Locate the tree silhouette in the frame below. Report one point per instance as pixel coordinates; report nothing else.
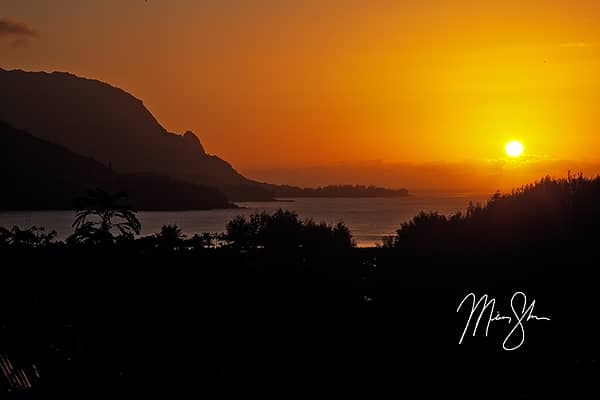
(109, 212)
(283, 229)
(170, 237)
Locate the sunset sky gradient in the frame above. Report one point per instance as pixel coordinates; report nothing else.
(296, 84)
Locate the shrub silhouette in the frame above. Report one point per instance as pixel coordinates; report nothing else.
(33, 237)
(205, 240)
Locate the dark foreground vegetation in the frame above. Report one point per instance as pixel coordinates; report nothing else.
(278, 304)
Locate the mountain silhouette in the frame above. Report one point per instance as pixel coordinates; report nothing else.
(42, 175)
(97, 120)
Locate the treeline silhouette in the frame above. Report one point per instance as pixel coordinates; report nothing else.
(338, 191)
(277, 301)
(562, 211)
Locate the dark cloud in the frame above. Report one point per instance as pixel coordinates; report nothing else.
(18, 33)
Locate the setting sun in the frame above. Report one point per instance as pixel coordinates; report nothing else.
(513, 149)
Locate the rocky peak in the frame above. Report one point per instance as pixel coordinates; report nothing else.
(191, 138)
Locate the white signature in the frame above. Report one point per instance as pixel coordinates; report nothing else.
(516, 336)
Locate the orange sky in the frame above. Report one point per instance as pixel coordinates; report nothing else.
(305, 83)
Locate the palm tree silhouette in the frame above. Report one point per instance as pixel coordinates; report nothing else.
(105, 208)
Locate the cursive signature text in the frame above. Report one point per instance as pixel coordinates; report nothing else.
(484, 309)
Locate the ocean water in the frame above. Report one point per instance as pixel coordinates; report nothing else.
(369, 219)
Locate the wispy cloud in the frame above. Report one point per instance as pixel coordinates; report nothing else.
(18, 33)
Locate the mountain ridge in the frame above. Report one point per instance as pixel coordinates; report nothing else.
(38, 175)
(93, 118)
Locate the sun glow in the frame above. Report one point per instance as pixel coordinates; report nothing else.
(513, 149)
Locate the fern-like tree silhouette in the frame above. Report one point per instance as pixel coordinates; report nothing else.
(99, 214)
